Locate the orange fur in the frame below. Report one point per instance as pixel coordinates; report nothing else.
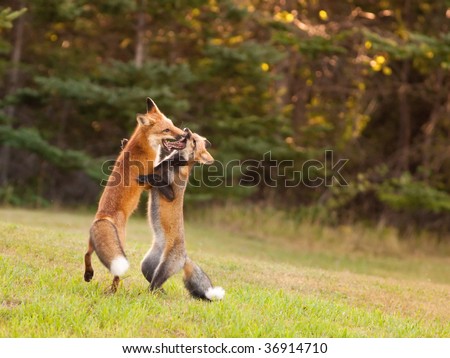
(122, 192)
(168, 253)
(171, 213)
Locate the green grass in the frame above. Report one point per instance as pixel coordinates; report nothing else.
(275, 286)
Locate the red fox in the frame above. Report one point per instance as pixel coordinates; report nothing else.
(122, 192)
(168, 253)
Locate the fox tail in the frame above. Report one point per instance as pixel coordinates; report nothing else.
(198, 283)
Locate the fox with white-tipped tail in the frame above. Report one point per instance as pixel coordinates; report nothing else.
(168, 255)
(121, 195)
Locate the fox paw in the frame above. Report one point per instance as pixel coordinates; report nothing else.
(88, 276)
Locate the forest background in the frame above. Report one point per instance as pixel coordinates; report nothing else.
(284, 90)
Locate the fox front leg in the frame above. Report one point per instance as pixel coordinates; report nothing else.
(157, 182)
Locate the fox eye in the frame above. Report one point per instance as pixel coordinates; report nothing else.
(167, 130)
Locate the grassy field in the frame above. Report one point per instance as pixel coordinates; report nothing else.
(328, 283)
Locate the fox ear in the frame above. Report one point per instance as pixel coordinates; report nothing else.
(207, 143)
(151, 106)
(188, 132)
(144, 120)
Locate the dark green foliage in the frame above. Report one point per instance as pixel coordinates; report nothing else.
(7, 16)
(29, 139)
(367, 80)
(405, 194)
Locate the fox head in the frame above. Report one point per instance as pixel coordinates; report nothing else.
(196, 148)
(157, 128)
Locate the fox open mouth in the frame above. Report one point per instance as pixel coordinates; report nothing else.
(175, 144)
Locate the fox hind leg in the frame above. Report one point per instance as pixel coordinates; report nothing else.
(115, 284)
(169, 265)
(111, 290)
(88, 270)
(151, 262)
(105, 241)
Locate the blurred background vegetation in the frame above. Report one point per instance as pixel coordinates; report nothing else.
(367, 79)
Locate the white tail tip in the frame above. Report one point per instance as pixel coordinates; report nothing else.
(119, 266)
(215, 293)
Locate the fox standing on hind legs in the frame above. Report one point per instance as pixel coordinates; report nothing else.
(121, 195)
(168, 253)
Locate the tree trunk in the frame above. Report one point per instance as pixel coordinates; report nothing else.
(430, 126)
(139, 56)
(65, 113)
(297, 94)
(404, 134)
(12, 85)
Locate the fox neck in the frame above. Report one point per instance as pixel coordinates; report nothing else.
(139, 143)
(138, 156)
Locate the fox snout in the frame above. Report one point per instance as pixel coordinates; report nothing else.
(178, 133)
(206, 158)
(174, 135)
